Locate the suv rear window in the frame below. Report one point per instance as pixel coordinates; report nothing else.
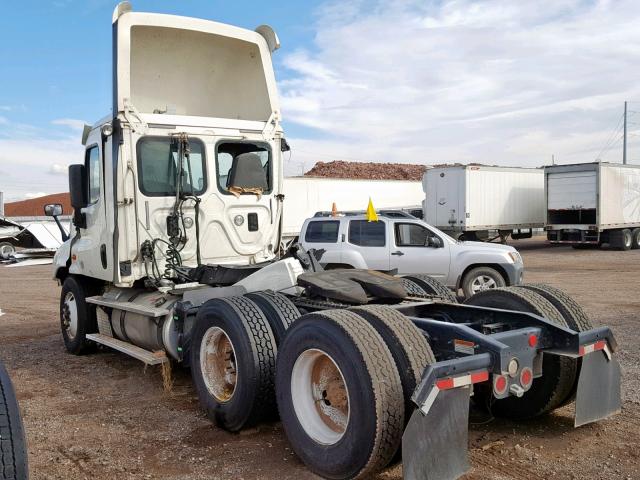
(367, 234)
(322, 232)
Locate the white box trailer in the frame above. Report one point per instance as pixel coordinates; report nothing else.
(470, 201)
(304, 196)
(593, 203)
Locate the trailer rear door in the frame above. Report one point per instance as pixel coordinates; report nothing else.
(572, 190)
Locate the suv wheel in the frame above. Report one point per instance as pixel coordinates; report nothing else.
(480, 279)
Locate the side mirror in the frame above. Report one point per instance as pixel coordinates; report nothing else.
(78, 193)
(78, 186)
(435, 242)
(53, 210)
(284, 145)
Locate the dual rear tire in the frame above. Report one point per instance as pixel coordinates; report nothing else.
(343, 384)
(558, 384)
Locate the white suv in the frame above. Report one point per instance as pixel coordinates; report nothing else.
(400, 241)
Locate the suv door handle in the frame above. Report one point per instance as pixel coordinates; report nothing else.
(398, 253)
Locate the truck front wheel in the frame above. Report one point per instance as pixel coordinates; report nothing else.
(77, 317)
(480, 279)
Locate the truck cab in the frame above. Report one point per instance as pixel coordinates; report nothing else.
(399, 241)
(187, 170)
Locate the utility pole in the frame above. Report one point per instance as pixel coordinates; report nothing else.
(624, 137)
(553, 159)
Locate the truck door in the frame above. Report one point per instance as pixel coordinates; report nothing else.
(411, 252)
(92, 248)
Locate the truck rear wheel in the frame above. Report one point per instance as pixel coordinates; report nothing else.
(573, 314)
(408, 346)
(635, 238)
(232, 357)
(77, 317)
(424, 285)
(558, 373)
(480, 279)
(279, 311)
(339, 395)
(13, 455)
(621, 239)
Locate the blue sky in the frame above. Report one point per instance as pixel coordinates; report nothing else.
(56, 55)
(414, 81)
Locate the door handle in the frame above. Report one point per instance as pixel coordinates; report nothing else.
(398, 253)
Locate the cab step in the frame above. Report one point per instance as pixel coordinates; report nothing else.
(150, 358)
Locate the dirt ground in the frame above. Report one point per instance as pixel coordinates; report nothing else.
(104, 416)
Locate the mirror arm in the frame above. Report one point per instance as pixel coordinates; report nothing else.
(65, 235)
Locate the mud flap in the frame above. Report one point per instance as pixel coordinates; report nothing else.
(598, 394)
(434, 446)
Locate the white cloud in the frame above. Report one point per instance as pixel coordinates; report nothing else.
(58, 169)
(72, 123)
(32, 159)
(497, 82)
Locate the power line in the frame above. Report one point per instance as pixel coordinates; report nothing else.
(612, 136)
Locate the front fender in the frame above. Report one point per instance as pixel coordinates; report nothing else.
(465, 260)
(61, 258)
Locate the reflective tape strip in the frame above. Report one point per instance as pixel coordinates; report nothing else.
(462, 380)
(453, 382)
(593, 347)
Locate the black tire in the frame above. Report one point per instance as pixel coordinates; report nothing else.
(571, 310)
(635, 238)
(252, 357)
(279, 311)
(76, 290)
(558, 373)
(408, 346)
(430, 286)
(474, 273)
(573, 314)
(373, 433)
(6, 249)
(13, 445)
(621, 239)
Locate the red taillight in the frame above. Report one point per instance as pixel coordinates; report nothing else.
(499, 384)
(533, 340)
(526, 377)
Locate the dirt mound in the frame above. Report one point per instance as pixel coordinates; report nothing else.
(367, 170)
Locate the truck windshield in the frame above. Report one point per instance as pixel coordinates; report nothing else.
(158, 167)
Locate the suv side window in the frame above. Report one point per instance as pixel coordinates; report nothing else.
(92, 165)
(322, 231)
(411, 235)
(367, 234)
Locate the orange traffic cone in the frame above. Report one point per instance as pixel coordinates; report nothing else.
(334, 210)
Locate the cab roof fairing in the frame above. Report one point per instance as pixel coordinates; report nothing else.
(264, 38)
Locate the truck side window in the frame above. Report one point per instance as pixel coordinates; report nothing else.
(411, 235)
(367, 234)
(92, 165)
(158, 167)
(322, 232)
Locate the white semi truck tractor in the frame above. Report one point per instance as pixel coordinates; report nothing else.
(174, 257)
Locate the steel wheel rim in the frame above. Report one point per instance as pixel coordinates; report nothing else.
(483, 282)
(320, 396)
(70, 315)
(6, 250)
(218, 364)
